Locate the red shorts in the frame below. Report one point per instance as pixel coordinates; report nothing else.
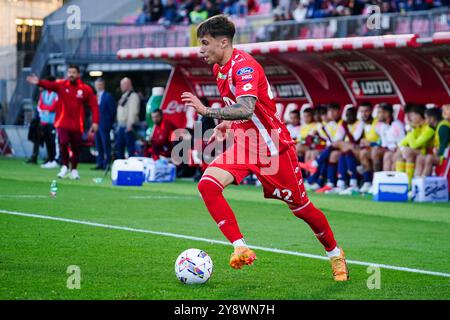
(281, 178)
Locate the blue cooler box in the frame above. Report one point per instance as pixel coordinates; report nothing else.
(127, 173)
(157, 171)
(390, 186)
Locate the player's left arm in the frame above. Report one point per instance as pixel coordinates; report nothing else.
(242, 110)
(245, 78)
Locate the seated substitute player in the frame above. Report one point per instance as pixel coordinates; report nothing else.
(415, 143)
(329, 157)
(317, 176)
(391, 132)
(160, 143)
(348, 136)
(425, 163)
(305, 138)
(251, 108)
(294, 124)
(369, 154)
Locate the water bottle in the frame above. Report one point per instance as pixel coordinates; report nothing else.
(153, 104)
(53, 188)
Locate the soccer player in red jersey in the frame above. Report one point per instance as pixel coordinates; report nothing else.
(251, 109)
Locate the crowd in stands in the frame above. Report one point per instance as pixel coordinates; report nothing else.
(310, 9)
(191, 11)
(340, 151)
(194, 11)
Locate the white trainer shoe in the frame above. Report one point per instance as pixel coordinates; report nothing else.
(74, 174)
(312, 187)
(63, 172)
(335, 190)
(349, 191)
(315, 186)
(365, 188)
(50, 165)
(308, 187)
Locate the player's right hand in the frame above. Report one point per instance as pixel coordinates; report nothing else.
(33, 79)
(220, 131)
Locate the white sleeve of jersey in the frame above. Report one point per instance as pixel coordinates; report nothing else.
(359, 130)
(340, 134)
(398, 131)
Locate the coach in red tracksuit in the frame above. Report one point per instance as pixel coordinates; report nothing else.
(69, 121)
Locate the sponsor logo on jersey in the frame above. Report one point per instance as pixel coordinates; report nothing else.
(247, 77)
(221, 76)
(247, 87)
(245, 70)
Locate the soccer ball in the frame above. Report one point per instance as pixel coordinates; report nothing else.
(193, 266)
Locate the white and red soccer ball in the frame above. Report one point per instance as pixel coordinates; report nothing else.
(193, 266)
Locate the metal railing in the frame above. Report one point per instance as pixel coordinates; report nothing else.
(103, 40)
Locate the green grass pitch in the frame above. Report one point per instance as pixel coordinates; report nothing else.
(118, 264)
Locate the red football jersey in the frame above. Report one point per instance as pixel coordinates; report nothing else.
(241, 76)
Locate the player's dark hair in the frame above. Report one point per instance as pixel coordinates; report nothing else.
(321, 109)
(408, 107)
(74, 66)
(295, 112)
(158, 111)
(418, 109)
(434, 113)
(334, 106)
(308, 110)
(366, 104)
(51, 78)
(217, 26)
(352, 112)
(387, 107)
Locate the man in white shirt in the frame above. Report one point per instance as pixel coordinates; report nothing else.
(391, 132)
(127, 117)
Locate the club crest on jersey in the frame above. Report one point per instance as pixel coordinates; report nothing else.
(245, 70)
(221, 76)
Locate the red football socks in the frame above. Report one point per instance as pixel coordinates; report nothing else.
(211, 191)
(318, 223)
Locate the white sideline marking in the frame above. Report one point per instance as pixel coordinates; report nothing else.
(161, 197)
(180, 236)
(23, 196)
